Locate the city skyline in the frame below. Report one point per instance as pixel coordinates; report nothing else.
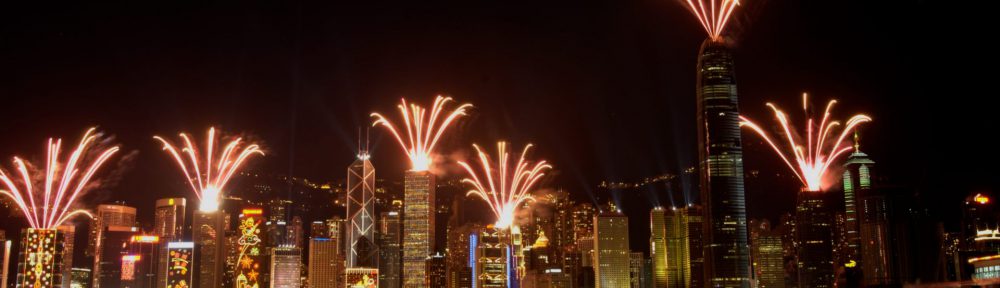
(609, 96)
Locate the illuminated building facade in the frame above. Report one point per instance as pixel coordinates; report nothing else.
(459, 267)
(814, 235)
(636, 268)
(249, 249)
(286, 267)
(361, 250)
(168, 221)
(857, 181)
(80, 278)
(108, 263)
(208, 233)
(720, 150)
(658, 245)
(180, 270)
(436, 271)
(69, 244)
(985, 268)
(143, 255)
(362, 277)
(40, 260)
(611, 250)
(678, 252)
(418, 226)
(108, 215)
(325, 264)
(4, 274)
(491, 255)
(768, 256)
(390, 255)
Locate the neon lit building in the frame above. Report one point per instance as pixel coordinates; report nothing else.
(418, 226)
(40, 261)
(361, 250)
(611, 250)
(362, 277)
(720, 151)
(180, 271)
(249, 249)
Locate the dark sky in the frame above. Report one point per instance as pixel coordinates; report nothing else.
(604, 88)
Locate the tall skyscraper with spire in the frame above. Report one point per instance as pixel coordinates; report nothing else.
(872, 224)
(361, 248)
(720, 150)
(852, 186)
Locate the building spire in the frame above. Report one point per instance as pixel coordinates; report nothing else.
(857, 142)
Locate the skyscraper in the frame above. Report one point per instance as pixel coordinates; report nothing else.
(361, 250)
(696, 244)
(814, 234)
(69, 244)
(39, 263)
(144, 254)
(491, 258)
(108, 215)
(435, 267)
(286, 267)
(418, 226)
(391, 256)
(611, 250)
(658, 246)
(766, 249)
(727, 259)
(108, 262)
(325, 268)
(856, 165)
(208, 234)
(636, 267)
(678, 248)
(248, 249)
(872, 223)
(168, 223)
(169, 218)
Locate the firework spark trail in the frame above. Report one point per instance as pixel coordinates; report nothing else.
(715, 18)
(514, 187)
(208, 186)
(812, 160)
(422, 131)
(55, 206)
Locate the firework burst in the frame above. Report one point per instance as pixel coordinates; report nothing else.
(47, 204)
(502, 188)
(422, 130)
(713, 15)
(208, 184)
(812, 160)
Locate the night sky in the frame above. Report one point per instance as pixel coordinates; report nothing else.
(605, 89)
